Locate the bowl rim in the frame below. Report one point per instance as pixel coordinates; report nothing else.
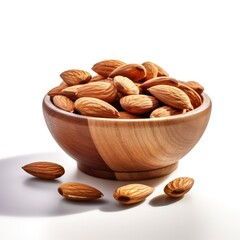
(205, 105)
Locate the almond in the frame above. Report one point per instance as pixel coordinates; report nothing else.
(127, 115)
(105, 67)
(151, 70)
(171, 96)
(63, 103)
(95, 107)
(104, 90)
(71, 91)
(44, 170)
(139, 104)
(165, 111)
(75, 76)
(132, 193)
(161, 71)
(125, 86)
(57, 90)
(135, 72)
(194, 97)
(159, 80)
(179, 187)
(195, 86)
(79, 191)
(97, 78)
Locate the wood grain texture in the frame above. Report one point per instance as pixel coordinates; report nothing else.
(127, 149)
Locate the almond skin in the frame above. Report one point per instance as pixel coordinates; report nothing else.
(104, 90)
(57, 90)
(194, 97)
(135, 72)
(44, 170)
(132, 193)
(159, 81)
(78, 191)
(125, 86)
(179, 187)
(75, 76)
(161, 71)
(151, 70)
(63, 103)
(127, 115)
(95, 107)
(139, 104)
(165, 111)
(171, 96)
(195, 86)
(105, 67)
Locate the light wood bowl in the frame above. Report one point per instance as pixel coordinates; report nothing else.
(127, 149)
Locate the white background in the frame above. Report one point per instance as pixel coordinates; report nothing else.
(192, 40)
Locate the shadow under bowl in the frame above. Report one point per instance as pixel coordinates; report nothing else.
(127, 149)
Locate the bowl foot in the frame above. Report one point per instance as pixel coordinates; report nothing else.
(129, 176)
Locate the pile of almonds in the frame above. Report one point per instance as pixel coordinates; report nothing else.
(126, 194)
(125, 90)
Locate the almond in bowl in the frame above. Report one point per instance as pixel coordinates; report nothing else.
(119, 133)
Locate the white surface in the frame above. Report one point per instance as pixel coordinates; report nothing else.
(196, 40)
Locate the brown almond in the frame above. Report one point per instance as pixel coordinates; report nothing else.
(195, 86)
(105, 67)
(79, 191)
(44, 170)
(127, 115)
(75, 76)
(179, 187)
(194, 97)
(132, 193)
(95, 107)
(151, 70)
(161, 71)
(58, 89)
(165, 111)
(125, 86)
(104, 90)
(159, 81)
(63, 103)
(135, 72)
(71, 91)
(139, 104)
(97, 78)
(171, 96)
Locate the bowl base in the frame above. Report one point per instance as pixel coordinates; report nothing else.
(129, 176)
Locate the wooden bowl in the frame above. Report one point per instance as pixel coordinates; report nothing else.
(127, 149)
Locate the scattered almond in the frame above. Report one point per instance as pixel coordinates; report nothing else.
(78, 191)
(179, 187)
(132, 193)
(44, 170)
